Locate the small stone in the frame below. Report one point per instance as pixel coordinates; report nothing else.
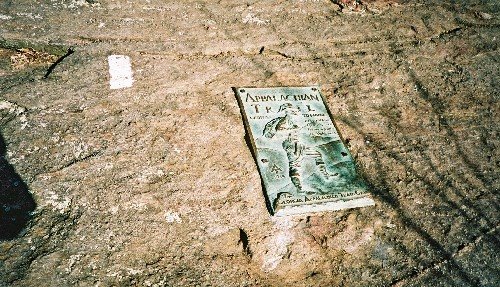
(485, 15)
(390, 225)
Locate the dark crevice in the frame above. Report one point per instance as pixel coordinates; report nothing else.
(448, 33)
(284, 55)
(54, 65)
(244, 242)
(77, 160)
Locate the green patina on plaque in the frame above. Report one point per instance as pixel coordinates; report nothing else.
(302, 160)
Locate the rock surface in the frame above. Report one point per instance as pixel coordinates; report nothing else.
(154, 185)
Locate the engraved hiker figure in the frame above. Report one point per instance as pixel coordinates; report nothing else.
(295, 154)
(295, 149)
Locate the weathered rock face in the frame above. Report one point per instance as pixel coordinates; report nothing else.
(154, 185)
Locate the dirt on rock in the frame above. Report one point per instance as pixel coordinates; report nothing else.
(154, 185)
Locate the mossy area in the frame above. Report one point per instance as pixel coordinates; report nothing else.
(19, 44)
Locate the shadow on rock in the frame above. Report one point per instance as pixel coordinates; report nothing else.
(16, 203)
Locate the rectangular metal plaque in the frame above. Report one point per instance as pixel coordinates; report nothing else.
(303, 163)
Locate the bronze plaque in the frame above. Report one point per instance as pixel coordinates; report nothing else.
(304, 165)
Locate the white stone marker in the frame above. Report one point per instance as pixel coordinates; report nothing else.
(120, 72)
